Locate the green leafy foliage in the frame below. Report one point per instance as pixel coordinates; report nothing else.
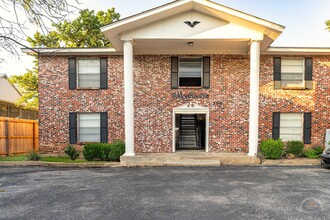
(34, 156)
(327, 24)
(104, 151)
(272, 149)
(72, 152)
(84, 31)
(295, 147)
(27, 85)
(116, 150)
(93, 151)
(314, 152)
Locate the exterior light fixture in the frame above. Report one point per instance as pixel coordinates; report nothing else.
(190, 44)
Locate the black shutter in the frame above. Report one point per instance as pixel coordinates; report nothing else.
(103, 73)
(307, 128)
(174, 72)
(309, 73)
(72, 73)
(206, 72)
(104, 127)
(277, 72)
(73, 127)
(276, 125)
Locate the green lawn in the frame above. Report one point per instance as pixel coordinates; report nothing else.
(62, 159)
(14, 158)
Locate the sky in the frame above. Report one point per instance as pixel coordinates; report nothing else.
(303, 19)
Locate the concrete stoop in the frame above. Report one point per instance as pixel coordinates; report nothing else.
(188, 158)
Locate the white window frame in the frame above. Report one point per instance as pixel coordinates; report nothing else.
(78, 126)
(302, 125)
(201, 77)
(77, 68)
(302, 85)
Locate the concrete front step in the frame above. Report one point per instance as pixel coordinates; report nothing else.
(192, 162)
(188, 158)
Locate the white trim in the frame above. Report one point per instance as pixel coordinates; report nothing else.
(192, 108)
(297, 51)
(254, 98)
(72, 51)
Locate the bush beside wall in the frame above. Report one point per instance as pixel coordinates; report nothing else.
(104, 151)
(272, 149)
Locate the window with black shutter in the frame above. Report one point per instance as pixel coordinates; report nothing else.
(190, 72)
(88, 127)
(292, 127)
(88, 73)
(293, 73)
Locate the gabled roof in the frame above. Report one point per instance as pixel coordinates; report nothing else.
(8, 92)
(115, 30)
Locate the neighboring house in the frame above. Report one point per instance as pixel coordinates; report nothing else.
(191, 74)
(8, 99)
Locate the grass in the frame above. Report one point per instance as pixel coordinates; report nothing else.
(62, 160)
(59, 159)
(14, 158)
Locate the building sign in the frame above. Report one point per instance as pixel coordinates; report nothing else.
(190, 95)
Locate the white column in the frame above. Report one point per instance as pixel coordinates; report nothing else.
(254, 97)
(129, 98)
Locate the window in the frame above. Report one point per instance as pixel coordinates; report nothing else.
(292, 72)
(88, 73)
(190, 72)
(89, 127)
(291, 126)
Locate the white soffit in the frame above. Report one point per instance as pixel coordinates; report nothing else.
(115, 30)
(297, 51)
(71, 51)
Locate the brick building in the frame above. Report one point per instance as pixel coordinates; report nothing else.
(191, 74)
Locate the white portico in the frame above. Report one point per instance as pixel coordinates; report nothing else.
(192, 27)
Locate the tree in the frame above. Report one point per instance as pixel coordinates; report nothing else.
(84, 31)
(16, 16)
(327, 24)
(27, 85)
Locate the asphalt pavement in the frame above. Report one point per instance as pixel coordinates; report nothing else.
(165, 193)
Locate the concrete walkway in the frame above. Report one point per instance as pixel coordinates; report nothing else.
(180, 158)
(200, 158)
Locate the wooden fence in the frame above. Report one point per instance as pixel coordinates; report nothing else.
(18, 136)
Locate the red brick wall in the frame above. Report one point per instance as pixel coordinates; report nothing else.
(154, 102)
(316, 101)
(56, 101)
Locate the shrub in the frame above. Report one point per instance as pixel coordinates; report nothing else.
(34, 156)
(295, 147)
(72, 152)
(272, 149)
(314, 152)
(318, 150)
(96, 151)
(117, 149)
(92, 151)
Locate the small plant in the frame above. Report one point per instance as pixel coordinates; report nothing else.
(34, 156)
(117, 149)
(314, 152)
(272, 149)
(92, 151)
(295, 147)
(72, 152)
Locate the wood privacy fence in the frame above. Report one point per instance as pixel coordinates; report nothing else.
(18, 136)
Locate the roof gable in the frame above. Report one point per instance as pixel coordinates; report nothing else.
(120, 29)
